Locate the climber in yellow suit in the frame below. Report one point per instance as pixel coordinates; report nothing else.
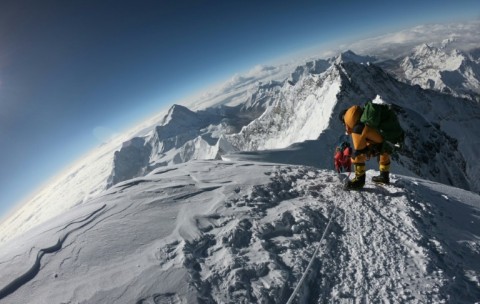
(367, 142)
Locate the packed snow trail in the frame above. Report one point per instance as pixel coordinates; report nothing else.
(312, 259)
(245, 232)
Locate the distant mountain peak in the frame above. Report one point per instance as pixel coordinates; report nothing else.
(134, 142)
(424, 47)
(427, 52)
(449, 71)
(178, 112)
(350, 56)
(301, 108)
(179, 109)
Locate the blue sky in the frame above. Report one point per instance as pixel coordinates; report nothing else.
(70, 67)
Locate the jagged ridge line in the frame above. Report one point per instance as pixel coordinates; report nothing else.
(33, 271)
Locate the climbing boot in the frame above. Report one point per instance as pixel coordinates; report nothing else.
(384, 177)
(359, 180)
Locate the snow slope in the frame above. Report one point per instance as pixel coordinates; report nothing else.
(83, 180)
(244, 232)
(251, 116)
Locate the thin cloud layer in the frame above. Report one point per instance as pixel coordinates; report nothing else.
(463, 36)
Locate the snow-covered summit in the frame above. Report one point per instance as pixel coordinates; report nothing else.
(249, 115)
(350, 56)
(143, 220)
(245, 232)
(449, 71)
(181, 114)
(311, 67)
(425, 59)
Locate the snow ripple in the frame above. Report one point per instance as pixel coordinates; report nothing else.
(33, 271)
(245, 232)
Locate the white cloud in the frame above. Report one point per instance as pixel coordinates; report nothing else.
(460, 35)
(103, 134)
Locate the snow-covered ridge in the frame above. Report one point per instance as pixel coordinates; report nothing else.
(449, 71)
(350, 56)
(229, 232)
(276, 114)
(300, 112)
(176, 229)
(440, 136)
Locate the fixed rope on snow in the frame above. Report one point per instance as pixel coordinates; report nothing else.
(307, 270)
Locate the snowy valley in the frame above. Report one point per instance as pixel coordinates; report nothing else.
(224, 200)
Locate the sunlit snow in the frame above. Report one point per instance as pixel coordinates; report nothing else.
(224, 232)
(225, 197)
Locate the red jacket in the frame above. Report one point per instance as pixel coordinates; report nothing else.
(343, 160)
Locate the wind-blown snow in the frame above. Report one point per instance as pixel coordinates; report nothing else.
(141, 220)
(277, 114)
(79, 183)
(229, 232)
(83, 180)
